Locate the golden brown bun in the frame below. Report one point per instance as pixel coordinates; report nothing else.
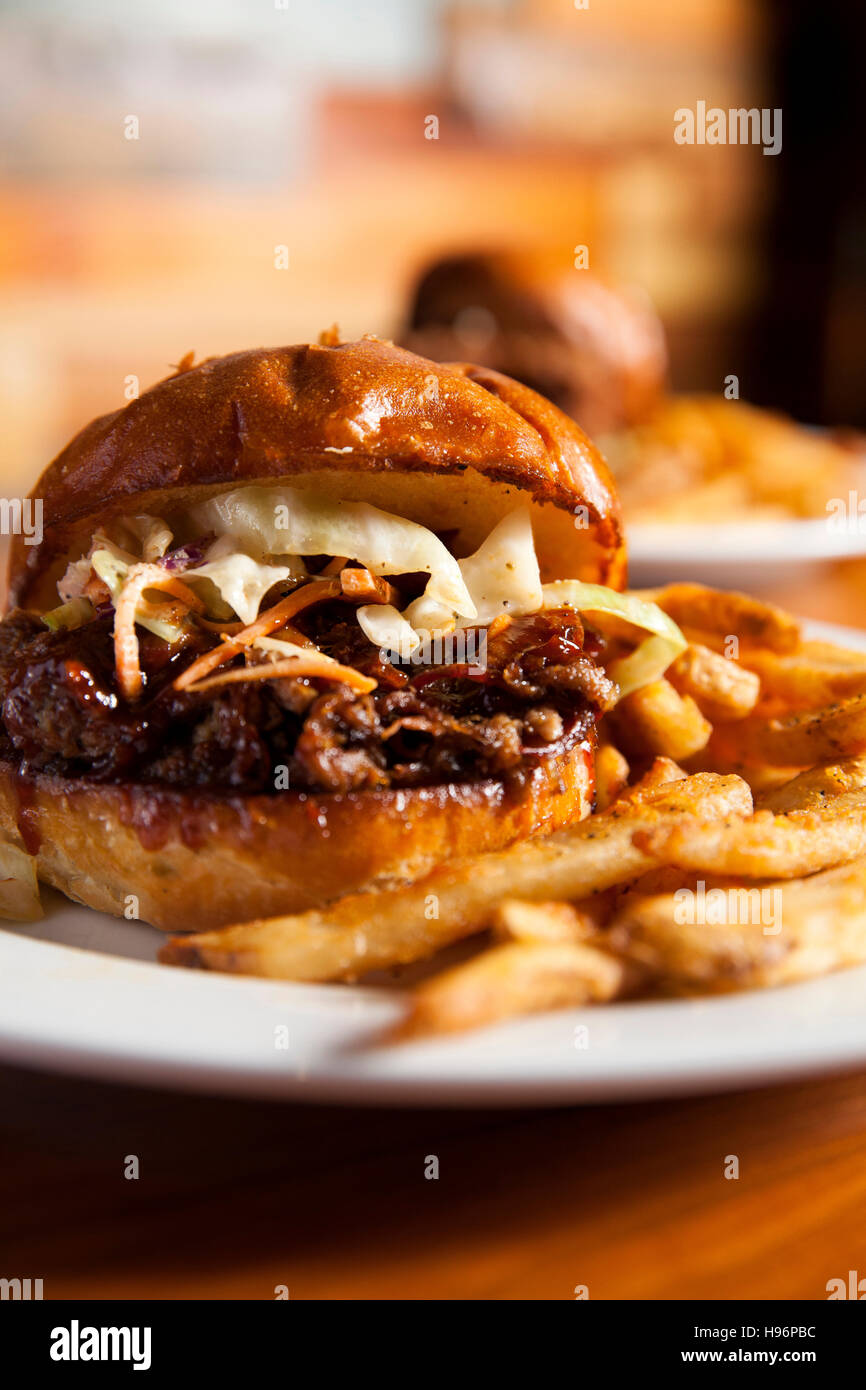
(596, 349)
(444, 445)
(189, 861)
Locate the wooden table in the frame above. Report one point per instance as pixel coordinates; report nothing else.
(236, 1198)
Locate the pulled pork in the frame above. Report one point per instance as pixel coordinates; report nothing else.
(538, 690)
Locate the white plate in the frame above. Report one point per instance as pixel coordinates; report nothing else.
(80, 993)
(743, 555)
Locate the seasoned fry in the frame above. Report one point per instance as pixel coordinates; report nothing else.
(660, 773)
(722, 689)
(372, 931)
(656, 719)
(728, 615)
(815, 787)
(611, 775)
(813, 925)
(517, 978)
(764, 845)
(800, 740)
(817, 673)
(706, 459)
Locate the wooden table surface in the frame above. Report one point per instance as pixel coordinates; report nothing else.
(236, 1198)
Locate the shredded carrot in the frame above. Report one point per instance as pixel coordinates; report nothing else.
(126, 649)
(288, 634)
(364, 587)
(316, 665)
(266, 623)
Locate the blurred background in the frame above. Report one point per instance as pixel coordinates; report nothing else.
(228, 173)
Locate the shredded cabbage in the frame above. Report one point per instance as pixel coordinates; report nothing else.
(389, 630)
(74, 581)
(654, 655)
(273, 522)
(262, 532)
(241, 581)
(69, 616)
(152, 533)
(502, 577)
(113, 570)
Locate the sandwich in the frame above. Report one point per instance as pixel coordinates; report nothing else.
(596, 349)
(308, 621)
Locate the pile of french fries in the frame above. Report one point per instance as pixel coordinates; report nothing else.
(743, 770)
(705, 459)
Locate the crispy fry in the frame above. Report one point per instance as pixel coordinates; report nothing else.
(816, 674)
(374, 930)
(728, 615)
(764, 845)
(516, 978)
(722, 689)
(657, 720)
(808, 927)
(660, 773)
(815, 787)
(800, 740)
(611, 775)
(514, 919)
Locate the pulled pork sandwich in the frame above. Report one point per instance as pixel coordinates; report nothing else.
(305, 621)
(595, 349)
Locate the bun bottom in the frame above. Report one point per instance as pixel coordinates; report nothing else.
(193, 861)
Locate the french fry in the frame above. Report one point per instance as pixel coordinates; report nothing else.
(722, 689)
(372, 931)
(611, 775)
(514, 919)
(656, 719)
(809, 927)
(517, 978)
(798, 740)
(817, 673)
(660, 773)
(728, 615)
(764, 845)
(815, 787)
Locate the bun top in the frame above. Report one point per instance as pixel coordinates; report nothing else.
(595, 348)
(446, 445)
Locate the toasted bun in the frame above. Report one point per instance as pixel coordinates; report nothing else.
(366, 421)
(189, 861)
(596, 349)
